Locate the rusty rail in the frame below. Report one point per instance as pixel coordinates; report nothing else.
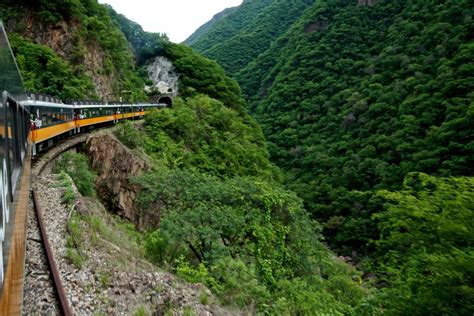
(63, 302)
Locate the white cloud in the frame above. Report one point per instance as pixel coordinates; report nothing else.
(177, 18)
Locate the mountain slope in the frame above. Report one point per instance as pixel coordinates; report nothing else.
(240, 37)
(357, 96)
(231, 25)
(353, 97)
(202, 30)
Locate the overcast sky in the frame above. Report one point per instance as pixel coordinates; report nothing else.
(177, 18)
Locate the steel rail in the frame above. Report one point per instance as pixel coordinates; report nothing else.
(64, 303)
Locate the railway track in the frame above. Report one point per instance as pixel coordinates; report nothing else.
(62, 301)
(43, 292)
(39, 294)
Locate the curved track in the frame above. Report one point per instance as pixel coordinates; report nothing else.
(63, 302)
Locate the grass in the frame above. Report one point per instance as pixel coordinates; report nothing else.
(188, 311)
(74, 243)
(140, 311)
(204, 298)
(76, 259)
(104, 279)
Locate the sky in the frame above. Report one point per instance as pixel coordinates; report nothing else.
(177, 18)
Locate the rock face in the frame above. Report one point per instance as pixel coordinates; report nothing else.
(115, 165)
(165, 79)
(62, 37)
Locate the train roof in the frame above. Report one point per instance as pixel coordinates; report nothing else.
(30, 103)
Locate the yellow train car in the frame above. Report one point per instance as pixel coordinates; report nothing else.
(50, 121)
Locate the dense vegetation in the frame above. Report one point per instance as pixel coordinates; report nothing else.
(355, 113)
(425, 248)
(352, 99)
(225, 219)
(226, 222)
(199, 75)
(44, 71)
(240, 37)
(62, 73)
(196, 36)
(145, 45)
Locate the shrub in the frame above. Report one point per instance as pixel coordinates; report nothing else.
(77, 167)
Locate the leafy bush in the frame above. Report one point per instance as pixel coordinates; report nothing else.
(203, 133)
(239, 285)
(239, 229)
(425, 250)
(128, 134)
(76, 165)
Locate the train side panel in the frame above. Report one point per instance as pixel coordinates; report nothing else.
(42, 134)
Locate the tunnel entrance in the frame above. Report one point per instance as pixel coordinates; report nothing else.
(166, 100)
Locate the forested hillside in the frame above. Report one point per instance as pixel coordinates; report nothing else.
(71, 49)
(352, 98)
(196, 36)
(241, 36)
(353, 106)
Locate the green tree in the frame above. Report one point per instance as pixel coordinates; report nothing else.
(425, 251)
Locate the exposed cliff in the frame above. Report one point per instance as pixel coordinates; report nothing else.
(115, 165)
(163, 74)
(62, 37)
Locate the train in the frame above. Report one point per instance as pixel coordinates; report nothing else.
(52, 119)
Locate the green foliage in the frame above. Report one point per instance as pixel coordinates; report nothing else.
(199, 75)
(425, 250)
(239, 285)
(74, 243)
(223, 220)
(68, 196)
(140, 311)
(202, 30)
(202, 133)
(145, 45)
(200, 274)
(76, 165)
(160, 250)
(248, 31)
(351, 98)
(44, 71)
(226, 231)
(75, 258)
(129, 135)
